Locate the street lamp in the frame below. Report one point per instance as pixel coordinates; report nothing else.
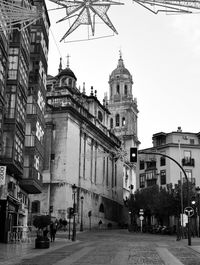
(198, 207)
(81, 226)
(74, 189)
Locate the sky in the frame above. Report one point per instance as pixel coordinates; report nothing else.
(162, 53)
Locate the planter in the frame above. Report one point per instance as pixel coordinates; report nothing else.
(42, 242)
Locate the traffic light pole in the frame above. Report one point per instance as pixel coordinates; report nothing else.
(188, 195)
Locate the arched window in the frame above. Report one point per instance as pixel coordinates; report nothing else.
(117, 120)
(111, 123)
(125, 90)
(70, 82)
(123, 121)
(63, 81)
(100, 116)
(117, 88)
(101, 208)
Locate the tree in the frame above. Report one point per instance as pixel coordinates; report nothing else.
(160, 202)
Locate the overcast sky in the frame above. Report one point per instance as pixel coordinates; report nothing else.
(162, 52)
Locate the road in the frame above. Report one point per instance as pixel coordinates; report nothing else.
(111, 247)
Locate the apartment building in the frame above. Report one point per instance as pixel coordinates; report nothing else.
(184, 147)
(21, 104)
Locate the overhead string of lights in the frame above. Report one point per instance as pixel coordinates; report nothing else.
(17, 14)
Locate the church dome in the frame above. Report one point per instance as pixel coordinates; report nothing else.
(120, 70)
(66, 72)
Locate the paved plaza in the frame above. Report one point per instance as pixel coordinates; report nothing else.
(109, 247)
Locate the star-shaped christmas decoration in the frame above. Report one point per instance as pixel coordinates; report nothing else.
(85, 12)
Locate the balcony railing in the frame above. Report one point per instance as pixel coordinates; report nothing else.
(188, 162)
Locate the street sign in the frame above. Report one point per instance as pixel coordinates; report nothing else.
(141, 218)
(189, 211)
(184, 219)
(141, 212)
(2, 175)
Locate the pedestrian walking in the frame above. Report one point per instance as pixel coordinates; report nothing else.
(100, 224)
(53, 230)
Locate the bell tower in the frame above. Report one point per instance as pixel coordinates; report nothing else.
(123, 120)
(122, 105)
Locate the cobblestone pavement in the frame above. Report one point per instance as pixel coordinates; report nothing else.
(111, 247)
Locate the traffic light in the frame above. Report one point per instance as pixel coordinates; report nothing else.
(71, 211)
(51, 209)
(193, 201)
(133, 154)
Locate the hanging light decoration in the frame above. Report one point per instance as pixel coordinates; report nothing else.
(170, 6)
(17, 14)
(85, 12)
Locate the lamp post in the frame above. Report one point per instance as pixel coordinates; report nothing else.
(198, 208)
(74, 189)
(81, 226)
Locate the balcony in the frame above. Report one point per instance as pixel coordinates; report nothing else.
(151, 165)
(188, 161)
(30, 182)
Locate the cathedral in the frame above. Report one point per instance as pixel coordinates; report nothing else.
(87, 145)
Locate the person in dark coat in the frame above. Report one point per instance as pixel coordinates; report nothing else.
(53, 230)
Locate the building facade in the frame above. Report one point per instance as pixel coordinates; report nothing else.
(123, 120)
(184, 147)
(18, 183)
(80, 150)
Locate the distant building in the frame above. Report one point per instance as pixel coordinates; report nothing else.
(184, 147)
(22, 116)
(123, 120)
(80, 150)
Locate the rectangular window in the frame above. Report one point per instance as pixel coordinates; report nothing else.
(187, 155)
(162, 161)
(11, 102)
(162, 177)
(18, 147)
(107, 161)
(142, 164)
(142, 180)
(13, 63)
(21, 109)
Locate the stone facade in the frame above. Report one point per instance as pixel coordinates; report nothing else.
(123, 120)
(80, 150)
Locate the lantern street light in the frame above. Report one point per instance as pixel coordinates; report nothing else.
(74, 189)
(81, 226)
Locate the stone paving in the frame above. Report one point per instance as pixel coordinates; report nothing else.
(111, 247)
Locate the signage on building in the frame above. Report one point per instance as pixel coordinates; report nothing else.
(2, 175)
